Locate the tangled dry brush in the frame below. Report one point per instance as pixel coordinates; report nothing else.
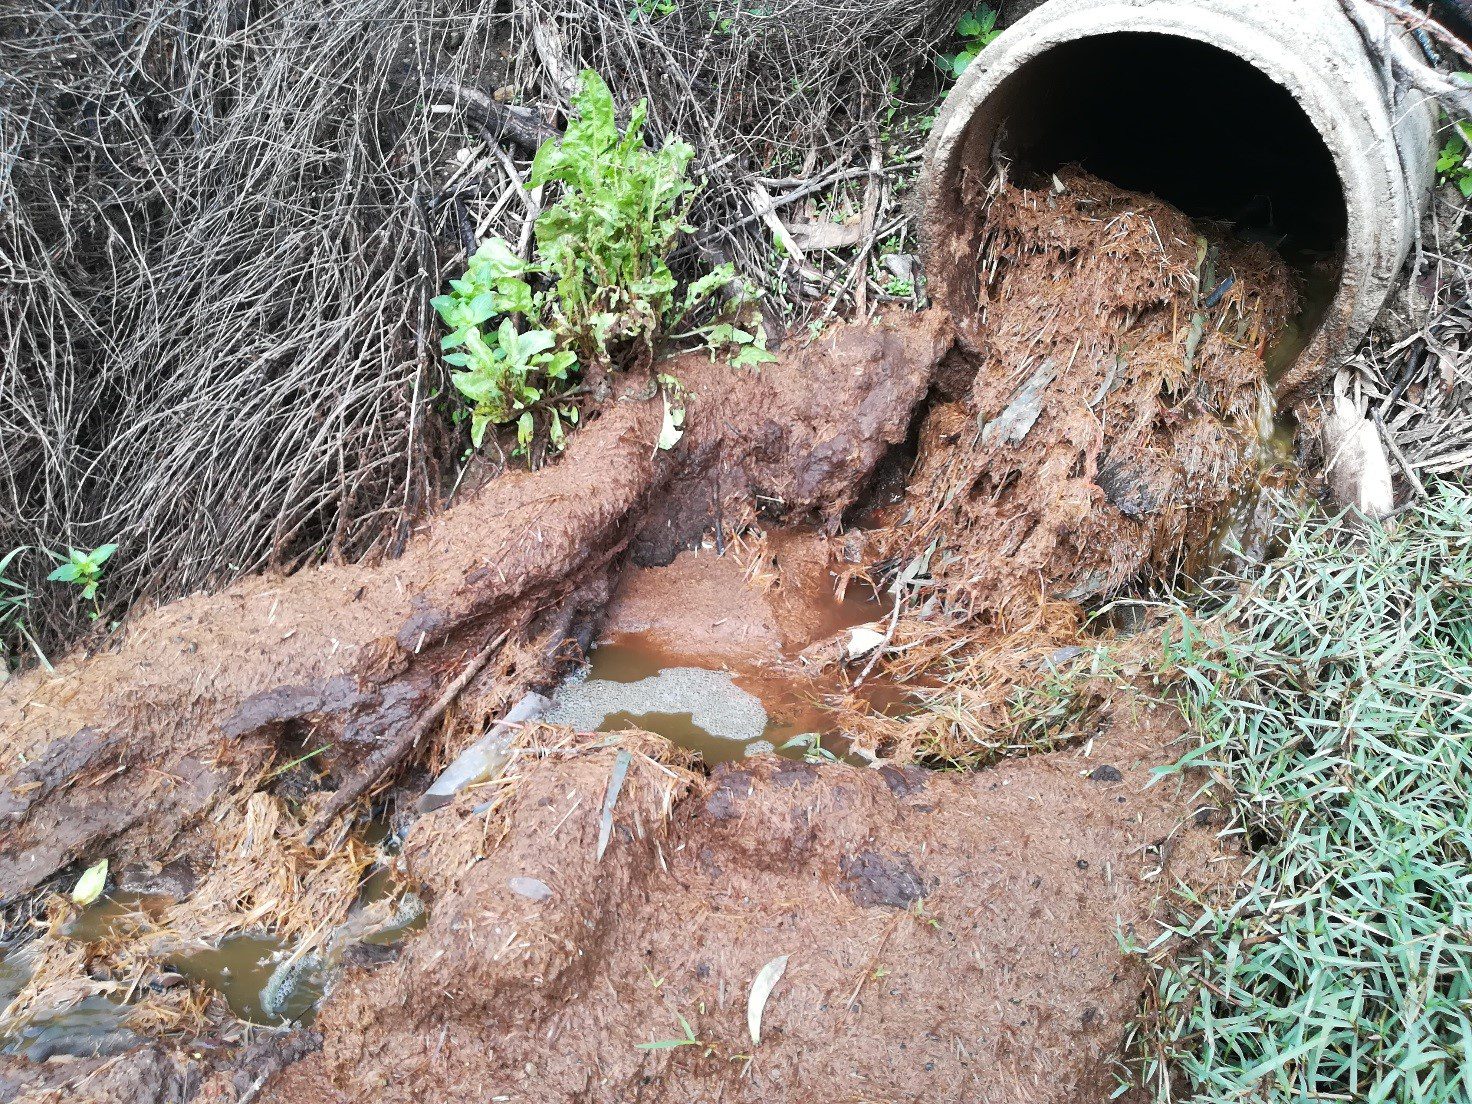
(221, 222)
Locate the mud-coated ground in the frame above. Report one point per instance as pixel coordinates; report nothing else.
(949, 936)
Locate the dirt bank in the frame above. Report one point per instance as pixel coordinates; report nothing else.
(129, 746)
(951, 937)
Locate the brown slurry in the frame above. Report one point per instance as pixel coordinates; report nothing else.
(952, 937)
(1119, 401)
(129, 746)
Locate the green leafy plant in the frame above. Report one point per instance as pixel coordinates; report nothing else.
(746, 348)
(599, 295)
(977, 30)
(1454, 165)
(82, 569)
(811, 746)
(603, 244)
(650, 10)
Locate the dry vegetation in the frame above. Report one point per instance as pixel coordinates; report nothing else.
(224, 223)
(222, 228)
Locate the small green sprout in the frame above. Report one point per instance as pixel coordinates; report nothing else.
(82, 569)
(813, 751)
(690, 1039)
(1454, 165)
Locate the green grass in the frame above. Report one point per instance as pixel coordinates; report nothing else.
(1333, 699)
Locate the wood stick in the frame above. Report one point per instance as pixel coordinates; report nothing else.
(392, 754)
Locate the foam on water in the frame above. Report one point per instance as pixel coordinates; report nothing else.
(713, 701)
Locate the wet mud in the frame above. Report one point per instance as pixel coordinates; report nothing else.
(932, 486)
(135, 743)
(1120, 404)
(950, 936)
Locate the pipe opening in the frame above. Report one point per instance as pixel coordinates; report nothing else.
(1190, 123)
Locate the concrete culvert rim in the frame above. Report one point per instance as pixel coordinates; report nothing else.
(1274, 120)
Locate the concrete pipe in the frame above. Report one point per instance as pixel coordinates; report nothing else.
(1266, 113)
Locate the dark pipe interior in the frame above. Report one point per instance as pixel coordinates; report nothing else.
(1192, 124)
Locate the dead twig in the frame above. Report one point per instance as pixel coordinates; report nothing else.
(388, 757)
(520, 126)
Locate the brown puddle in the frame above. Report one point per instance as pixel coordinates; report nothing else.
(707, 652)
(730, 717)
(262, 979)
(254, 974)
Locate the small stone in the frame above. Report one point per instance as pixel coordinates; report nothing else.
(534, 889)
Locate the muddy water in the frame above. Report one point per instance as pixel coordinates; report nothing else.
(633, 682)
(1246, 531)
(242, 968)
(1320, 284)
(261, 978)
(97, 1024)
(705, 652)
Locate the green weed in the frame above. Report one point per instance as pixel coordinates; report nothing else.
(599, 295)
(650, 10)
(83, 569)
(689, 1039)
(811, 746)
(1332, 698)
(977, 30)
(1452, 165)
(14, 604)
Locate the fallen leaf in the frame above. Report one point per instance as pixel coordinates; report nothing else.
(615, 783)
(533, 889)
(90, 885)
(674, 425)
(812, 236)
(761, 989)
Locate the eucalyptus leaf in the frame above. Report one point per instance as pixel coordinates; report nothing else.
(761, 989)
(615, 784)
